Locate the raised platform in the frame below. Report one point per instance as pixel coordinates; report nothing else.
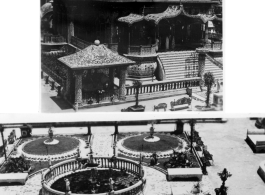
(13, 178)
(256, 139)
(153, 139)
(184, 173)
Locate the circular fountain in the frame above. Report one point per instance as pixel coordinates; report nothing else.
(51, 140)
(112, 175)
(151, 137)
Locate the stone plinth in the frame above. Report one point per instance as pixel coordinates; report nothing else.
(184, 173)
(49, 142)
(152, 139)
(218, 100)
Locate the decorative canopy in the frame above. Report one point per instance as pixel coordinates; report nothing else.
(94, 56)
(171, 12)
(46, 8)
(174, 11)
(132, 18)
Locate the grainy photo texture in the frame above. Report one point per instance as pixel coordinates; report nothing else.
(210, 156)
(131, 55)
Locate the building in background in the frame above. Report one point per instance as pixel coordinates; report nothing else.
(94, 50)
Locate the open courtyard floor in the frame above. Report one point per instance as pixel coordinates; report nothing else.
(225, 141)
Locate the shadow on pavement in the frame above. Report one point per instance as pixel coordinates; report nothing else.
(61, 103)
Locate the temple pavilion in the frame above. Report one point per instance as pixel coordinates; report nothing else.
(168, 45)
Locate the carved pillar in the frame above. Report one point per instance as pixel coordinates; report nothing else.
(201, 62)
(122, 89)
(78, 88)
(111, 77)
(67, 84)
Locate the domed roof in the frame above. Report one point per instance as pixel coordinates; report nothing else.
(94, 56)
(46, 8)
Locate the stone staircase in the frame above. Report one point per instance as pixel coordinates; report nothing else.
(211, 67)
(174, 63)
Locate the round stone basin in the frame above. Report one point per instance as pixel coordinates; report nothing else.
(81, 183)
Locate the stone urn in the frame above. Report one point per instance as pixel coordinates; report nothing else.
(142, 70)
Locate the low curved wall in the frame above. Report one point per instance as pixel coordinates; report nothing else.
(66, 167)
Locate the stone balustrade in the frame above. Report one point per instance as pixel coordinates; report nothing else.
(164, 86)
(142, 49)
(48, 38)
(67, 167)
(214, 46)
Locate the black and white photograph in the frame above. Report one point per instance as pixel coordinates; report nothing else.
(131, 55)
(150, 156)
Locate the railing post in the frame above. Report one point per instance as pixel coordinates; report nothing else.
(140, 49)
(47, 80)
(53, 83)
(59, 90)
(41, 74)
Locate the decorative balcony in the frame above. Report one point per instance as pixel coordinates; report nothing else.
(142, 50)
(53, 39)
(214, 46)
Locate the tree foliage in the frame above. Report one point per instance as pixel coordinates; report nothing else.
(209, 81)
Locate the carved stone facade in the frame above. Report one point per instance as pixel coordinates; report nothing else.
(142, 69)
(78, 87)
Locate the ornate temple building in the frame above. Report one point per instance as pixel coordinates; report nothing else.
(93, 50)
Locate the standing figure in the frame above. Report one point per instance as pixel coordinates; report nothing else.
(152, 130)
(67, 186)
(111, 182)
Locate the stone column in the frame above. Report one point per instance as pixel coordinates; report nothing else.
(78, 88)
(206, 32)
(201, 61)
(67, 85)
(88, 130)
(116, 129)
(180, 127)
(111, 77)
(122, 82)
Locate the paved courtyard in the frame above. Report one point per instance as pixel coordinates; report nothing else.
(50, 103)
(226, 141)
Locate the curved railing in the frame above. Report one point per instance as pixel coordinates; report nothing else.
(142, 49)
(66, 167)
